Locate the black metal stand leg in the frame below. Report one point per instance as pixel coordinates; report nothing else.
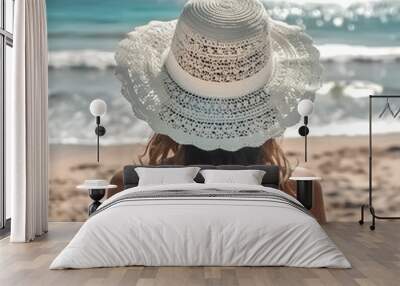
(93, 207)
(305, 193)
(361, 221)
(96, 195)
(372, 210)
(374, 216)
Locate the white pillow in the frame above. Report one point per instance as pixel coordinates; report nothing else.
(247, 177)
(165, 176)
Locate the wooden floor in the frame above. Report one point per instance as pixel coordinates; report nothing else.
(375, 257)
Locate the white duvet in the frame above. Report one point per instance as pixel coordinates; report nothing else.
(200, 231)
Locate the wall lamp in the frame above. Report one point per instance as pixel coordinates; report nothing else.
(305, 108)
(98, 108)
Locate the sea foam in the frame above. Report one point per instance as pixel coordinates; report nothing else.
(101, 60)
(81, 59)
(348, 53)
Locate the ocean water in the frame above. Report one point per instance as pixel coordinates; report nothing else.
(359, 43)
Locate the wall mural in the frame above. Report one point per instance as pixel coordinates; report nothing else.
(359, 45)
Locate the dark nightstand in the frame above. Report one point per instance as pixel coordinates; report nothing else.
(96, 193)
(305, 190)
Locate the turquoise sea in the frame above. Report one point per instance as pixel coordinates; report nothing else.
(359, 43)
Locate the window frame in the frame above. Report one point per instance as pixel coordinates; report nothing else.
(6, 39)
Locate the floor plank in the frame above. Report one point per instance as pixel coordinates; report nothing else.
(375, 257)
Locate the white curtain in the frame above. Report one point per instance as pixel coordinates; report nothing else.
(26, 122)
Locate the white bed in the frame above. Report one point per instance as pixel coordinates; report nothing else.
(185, 230)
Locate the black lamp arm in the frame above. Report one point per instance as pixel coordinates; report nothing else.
(100, 131)
(303, 131)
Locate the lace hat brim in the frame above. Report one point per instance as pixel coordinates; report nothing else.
(210, 122)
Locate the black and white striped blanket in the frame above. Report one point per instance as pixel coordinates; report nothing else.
(205, 194)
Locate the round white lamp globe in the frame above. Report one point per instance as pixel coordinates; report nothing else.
(305, 107)
(98, 107)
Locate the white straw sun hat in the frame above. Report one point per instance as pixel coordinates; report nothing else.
(224, 75)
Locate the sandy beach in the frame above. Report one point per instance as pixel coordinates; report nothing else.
(342, 162)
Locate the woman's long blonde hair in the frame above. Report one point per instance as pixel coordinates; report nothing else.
(161, 150)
